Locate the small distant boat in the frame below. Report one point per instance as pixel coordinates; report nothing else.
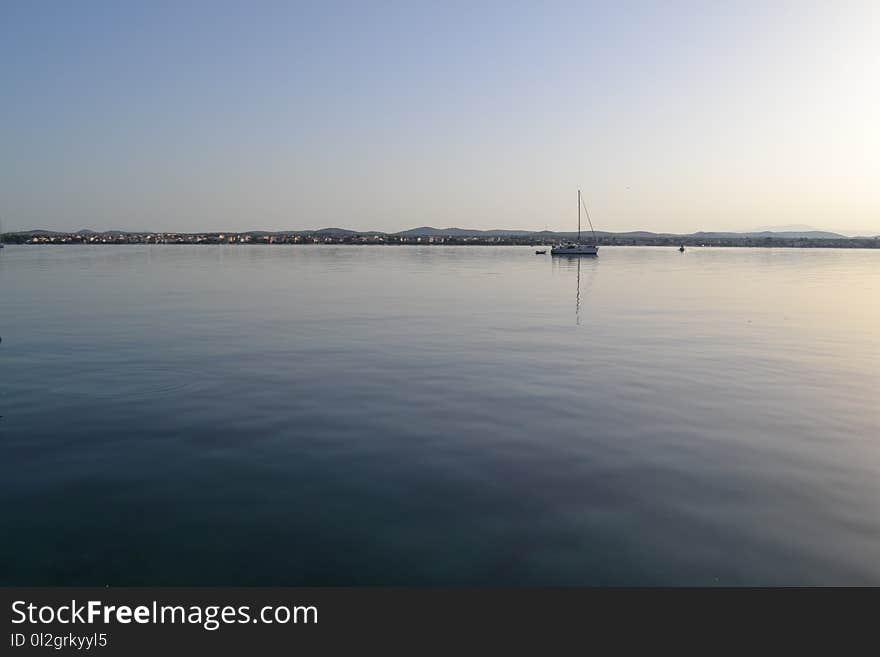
(541, 252)
(578, 248)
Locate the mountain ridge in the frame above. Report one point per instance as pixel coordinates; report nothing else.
(430, 231)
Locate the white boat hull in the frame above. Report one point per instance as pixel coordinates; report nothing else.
(575, 250)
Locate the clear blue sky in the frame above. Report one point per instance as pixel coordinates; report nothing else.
(219, 115)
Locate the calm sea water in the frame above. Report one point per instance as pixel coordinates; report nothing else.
(438, 416)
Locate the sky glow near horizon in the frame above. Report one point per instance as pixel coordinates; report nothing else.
(384, 115)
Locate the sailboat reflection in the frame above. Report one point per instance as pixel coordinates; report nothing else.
(590, 269)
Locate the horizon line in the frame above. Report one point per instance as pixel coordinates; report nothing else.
(511, 231)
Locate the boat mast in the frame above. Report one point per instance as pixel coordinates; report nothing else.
(579, 217)
(586, 212)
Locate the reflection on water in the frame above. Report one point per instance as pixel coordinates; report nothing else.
(568, 262)
(382, 415)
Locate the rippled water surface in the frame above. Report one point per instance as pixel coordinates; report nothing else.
(438, 415)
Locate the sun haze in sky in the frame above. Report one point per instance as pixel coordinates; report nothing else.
(672, 116)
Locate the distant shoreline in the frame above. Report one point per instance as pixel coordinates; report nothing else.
(383, 239)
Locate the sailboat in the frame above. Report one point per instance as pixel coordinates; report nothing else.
(578, 248)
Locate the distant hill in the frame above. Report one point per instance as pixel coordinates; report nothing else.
(333, 231)
(89, 231)
(430, 231)
(467, 232)
(36, 232)
(472, 232)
